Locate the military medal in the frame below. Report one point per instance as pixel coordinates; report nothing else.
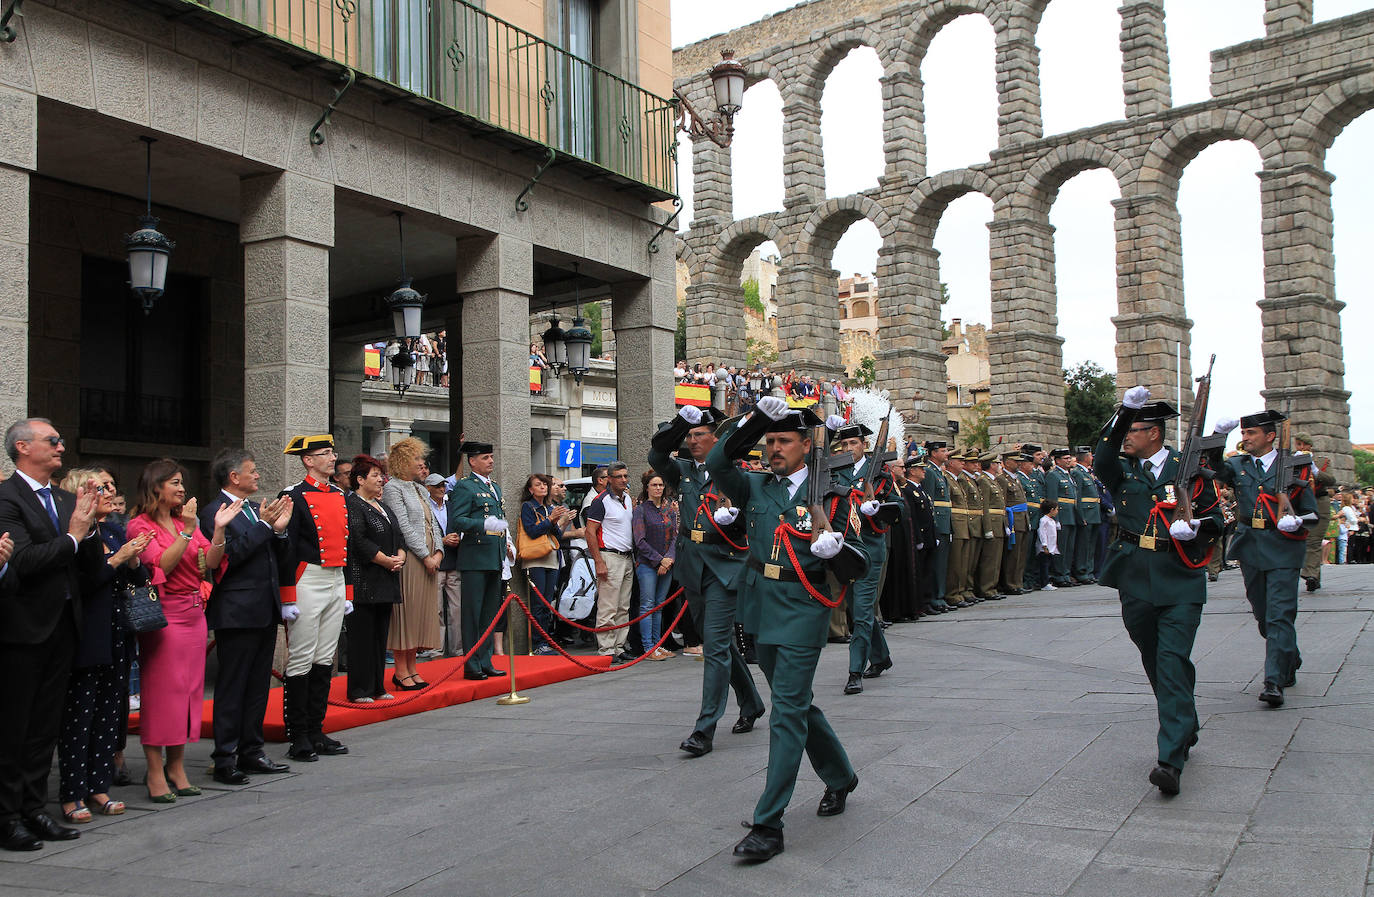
(1169, 493)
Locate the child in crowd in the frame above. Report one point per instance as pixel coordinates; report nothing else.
(1049, 540)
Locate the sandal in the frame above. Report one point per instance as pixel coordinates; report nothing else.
(110, 807)
(77, 814)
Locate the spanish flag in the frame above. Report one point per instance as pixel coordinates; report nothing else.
(372, 362)
(536, 380)
(692, 394)
(800, 402)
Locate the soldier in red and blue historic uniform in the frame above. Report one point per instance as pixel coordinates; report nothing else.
(316, 593)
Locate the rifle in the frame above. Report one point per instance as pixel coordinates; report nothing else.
(1196, 445)
(818, 482)
(1286, 464)
(878, 458)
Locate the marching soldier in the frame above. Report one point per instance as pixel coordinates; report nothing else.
(957, 592)
(1059, 487)
(1323, 481)
(782, 601)
(1269, 545)
(1014, 569)
(1089, 517)
(939, 485)
(711, 549)
(316, 593)
(475, 510)
(1158, 566)
(868, 653)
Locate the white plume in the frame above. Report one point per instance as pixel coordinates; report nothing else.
(867, 406)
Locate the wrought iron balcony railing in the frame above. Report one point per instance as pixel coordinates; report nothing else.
(486, 70)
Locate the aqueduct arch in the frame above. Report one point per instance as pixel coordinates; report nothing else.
(1289, 93)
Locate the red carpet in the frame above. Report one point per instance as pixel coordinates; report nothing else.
(530, 672)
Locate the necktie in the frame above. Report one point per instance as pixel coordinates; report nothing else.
(248, 510)
(46, 493)
(1149, 472)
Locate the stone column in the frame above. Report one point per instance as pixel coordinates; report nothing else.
(18, 157)
(715, 323)
(910, 364)
(646, 312)
(713, 198)
(809, 320)
(803, 157)
(1025, 351)
(904, 121)
(1151, 319)
(495, 280)
(346, 377)
(1144, 58)
(286, 225)
(394, 430)
(1286, 15)
(1018, 87)
(1304, 369)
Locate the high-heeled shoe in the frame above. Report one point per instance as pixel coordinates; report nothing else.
(188, 791)
(400, 683)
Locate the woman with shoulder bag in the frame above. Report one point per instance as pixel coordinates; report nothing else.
(376, 556)
(537, 548)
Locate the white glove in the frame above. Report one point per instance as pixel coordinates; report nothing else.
(772, 407)
(289, 613)
(920, 545)
(495, 525)
(827, 545)
(1290, 524)
(869, 508)
(1136, 397)
(834, 422)
(690, 413)
(348, 607)
(1008, 531)
(1226, 425)
(1184, 530)
(987, 535)
(726, 516)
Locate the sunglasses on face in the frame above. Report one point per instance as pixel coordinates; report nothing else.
(53, 441)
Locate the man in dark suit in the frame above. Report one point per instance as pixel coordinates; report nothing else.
(39, 613)
(243, 611)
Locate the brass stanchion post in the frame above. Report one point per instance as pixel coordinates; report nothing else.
(513, 697)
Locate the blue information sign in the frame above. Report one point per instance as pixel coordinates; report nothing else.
(569, 453)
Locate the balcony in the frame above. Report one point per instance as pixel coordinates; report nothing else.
(470, 66)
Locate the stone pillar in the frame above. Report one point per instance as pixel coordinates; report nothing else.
(1151, 319)
(1025, 351)
(495, 280)
(910, 364)
(1144, 58)
(803, 157)
(713, 198)
(716, 323)
(1286, 15)
(904, 121)
(1304, 369)
(286, 225)
(1018, 88)
(18, 157)
(647, 314)
(346, 377)
(809, 320)
(393, 431)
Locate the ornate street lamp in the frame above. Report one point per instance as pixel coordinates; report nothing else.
(148, 248)
(405, 304)
(578, 340)
(555, 345)
(727, 82)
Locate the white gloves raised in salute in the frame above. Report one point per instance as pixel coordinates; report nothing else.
(1226, 425)
(690, 413)
(834, 422)
(1136, 397)
(772, 407)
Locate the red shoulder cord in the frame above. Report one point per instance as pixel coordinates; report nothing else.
(787, 529)
(1157, 517)
(858, 494)
(1269, 503)
(705, 506)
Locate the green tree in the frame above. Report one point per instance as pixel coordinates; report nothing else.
(866, 374)
(592, 312)
(1089, 399)
(975, 434)
(1364, 468)
(761, 352)
(945, 332)
(751, 297)
(680, 336)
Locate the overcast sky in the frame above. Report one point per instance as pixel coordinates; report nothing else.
(1080, 86)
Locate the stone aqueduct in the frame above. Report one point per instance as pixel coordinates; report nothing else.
(1289, 94)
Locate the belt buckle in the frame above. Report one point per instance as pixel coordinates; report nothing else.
(1257, 522)
(1147, 543)
(772, 571)
(697, 535)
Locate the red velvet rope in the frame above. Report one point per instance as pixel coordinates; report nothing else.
(550, 640)
(535, 590)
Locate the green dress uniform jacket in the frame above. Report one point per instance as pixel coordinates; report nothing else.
(939, 488)
(1060, 487)
(479, 555)
(867, 644)
(1089, 502)
(1034, 486)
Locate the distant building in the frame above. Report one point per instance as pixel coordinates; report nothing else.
(967, 372)
(858, 301)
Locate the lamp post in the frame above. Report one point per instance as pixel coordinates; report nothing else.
(405, 304)
(148, 248)
(727, 83)
(555, 345)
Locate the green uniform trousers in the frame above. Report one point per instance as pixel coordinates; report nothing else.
(1273, 597)
(1085, 552)
(956, 570)
(990, 559)
(939, 565)
(1063, 561)
(867, 644)
(796, 725)
(1165, 637)
(481, 600)
(723, 668)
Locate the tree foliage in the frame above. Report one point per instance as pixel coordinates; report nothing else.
(680, 335)
(1089, 399)
(866, 374)
(761, 352)
(751, 297)
(1364, 468)
(945, 332)
(975, 434)
(592, 312)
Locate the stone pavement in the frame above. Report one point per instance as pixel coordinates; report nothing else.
(1005, 754)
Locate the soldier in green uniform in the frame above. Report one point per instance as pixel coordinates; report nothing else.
(475, 510)
(1158, 567)
(1059, 487)
(868, 653)
(938, 485)
(710, 557)
(1323, 481)
(1269, 546)
(1032, 478)
(782, 601)
(994, 525)
(1089, 517)
(1014, 568)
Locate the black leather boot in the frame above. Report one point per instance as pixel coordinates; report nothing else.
(295, 701)
(320, 676)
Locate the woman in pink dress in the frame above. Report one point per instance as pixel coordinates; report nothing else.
(172, 660)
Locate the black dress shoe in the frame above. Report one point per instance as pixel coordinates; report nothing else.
(1165, 778)
(832, 802)
(326, 746)
(121, 777)
(302, 750)
(1312, 584)
(228, 775)
(494, 674)
(477, 676)
(15, 835)
(47, 828)
(261, 764)
(877, 669)
(746, 721)
(1272, 694)
(698, 744)
(854, 685)
(762, 843)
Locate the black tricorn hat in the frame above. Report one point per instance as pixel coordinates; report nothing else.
(1031, 448)
(852, 431)
(1061, 453)
(932, 445)
(796, 420)
(476, 448)
(1263, 418)
(1156, 412)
